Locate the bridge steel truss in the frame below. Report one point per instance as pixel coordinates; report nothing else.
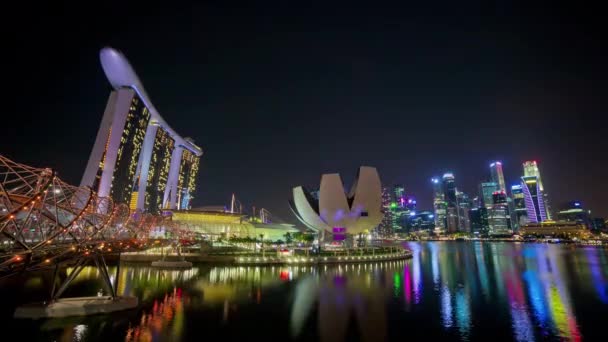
(46, 222)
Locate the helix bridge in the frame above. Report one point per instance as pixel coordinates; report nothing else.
(48, 223)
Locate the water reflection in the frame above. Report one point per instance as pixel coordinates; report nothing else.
(448, 290)
(529, 283)
(343, 295)
(164, 321)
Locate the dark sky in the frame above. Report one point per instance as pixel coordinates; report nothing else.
(278, 94)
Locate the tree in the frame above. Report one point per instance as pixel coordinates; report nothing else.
(288, 238)
(297, 236)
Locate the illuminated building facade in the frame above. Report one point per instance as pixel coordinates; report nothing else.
(215, 224)
(421, 221)
(158, 172)
(137, 158)
(186, 180)
(386, 226)
(464, 206)
(499, 219)
(398, 192)
(574, 212)
(533, 196)
(449, 191)
(497, 176)
(486, 190)
(519, 206)
(439, 205)
(531, 170)
(560, 229)
(479, 220)
(398, 212)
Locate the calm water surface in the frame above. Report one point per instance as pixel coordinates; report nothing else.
(448, 291)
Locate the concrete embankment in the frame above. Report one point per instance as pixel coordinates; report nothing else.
(78, 306)
(268, 260)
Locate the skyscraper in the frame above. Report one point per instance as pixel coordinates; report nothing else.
(479, 220)
(464, 206)
(137, 158)
(439, 205)
(531, 170)
(398, 208)
(499, 219)
(533, 197)
(386, 226)
(486, 190)
(497, 176)
(449, 190)
(519, 206)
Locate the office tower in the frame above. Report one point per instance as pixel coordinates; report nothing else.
(520, 216)
(452, 219)
(439, 205)
(513, 223)
(499, 219)
(486, 190)
(137, 159)
(479, 220)
(533, 196)
(464, 205)
(386, 226)
(531, 170)
(399, 220)
(497, 176)
(449, 190)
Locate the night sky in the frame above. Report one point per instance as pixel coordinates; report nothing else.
(278, 94)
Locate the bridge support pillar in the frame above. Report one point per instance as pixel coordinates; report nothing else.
(79, 306)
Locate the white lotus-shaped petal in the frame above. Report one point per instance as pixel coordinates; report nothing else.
(357, 212)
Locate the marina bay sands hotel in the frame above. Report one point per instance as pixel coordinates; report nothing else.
(137, 157)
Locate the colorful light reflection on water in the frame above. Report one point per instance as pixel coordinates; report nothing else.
(447, 291)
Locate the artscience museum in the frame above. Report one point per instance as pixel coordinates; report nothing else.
(334, 212)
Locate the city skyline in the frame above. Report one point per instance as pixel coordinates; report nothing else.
(254, 97)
